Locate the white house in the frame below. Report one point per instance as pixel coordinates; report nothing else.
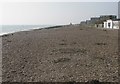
(112, 24)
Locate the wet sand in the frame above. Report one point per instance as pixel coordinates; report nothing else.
(69, 53)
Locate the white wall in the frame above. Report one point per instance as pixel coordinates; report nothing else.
(116, 24)
(105, 24)
(111, 24)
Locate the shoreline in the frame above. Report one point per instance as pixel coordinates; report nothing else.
(33, 29)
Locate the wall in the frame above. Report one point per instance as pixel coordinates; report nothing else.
(116, 24)
(105, 24)
(111, 24)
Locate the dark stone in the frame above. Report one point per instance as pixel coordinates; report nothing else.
(93, 82)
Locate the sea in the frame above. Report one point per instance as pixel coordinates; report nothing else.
(6, 29)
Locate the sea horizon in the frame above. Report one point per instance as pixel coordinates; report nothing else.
(7, 29)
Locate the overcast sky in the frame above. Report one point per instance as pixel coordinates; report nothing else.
(54, 12)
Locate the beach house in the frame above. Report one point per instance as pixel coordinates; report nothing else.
(112, 24)
(101, 21)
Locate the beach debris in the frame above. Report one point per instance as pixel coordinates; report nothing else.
(73, 43)
(63, 40)
(104, 30)
(93, 82)
(69, 51)
(71, 82)
(8, 76)
(101, 43)
(99, 58)
(61, 60)
(9, 41)
(72, 50)
(13, 71)
(81, 28)
(62, 44)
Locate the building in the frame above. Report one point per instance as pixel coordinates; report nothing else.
(107, 21)
(94, 20)
(104, 21)
(83, 23)
(112, 24)
(107, 17)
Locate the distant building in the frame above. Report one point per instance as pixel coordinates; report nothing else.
(104, 21)
(107, 17)
(83, 23)
(103, 18)
(94, 20)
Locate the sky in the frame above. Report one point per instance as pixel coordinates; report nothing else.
(39, 13)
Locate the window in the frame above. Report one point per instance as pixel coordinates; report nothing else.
(97, 25)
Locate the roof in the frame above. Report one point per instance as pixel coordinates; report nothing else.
(108, 15)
